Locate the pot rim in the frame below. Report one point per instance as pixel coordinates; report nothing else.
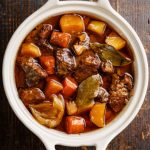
(128, 113)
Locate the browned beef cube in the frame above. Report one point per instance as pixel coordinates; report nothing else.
(119, 93)
(34, 72)
(31, 95)
(65, 61)
(44, 46)
(87, 64)
(89, 59)
(45, 31)
(117, 103)
(60, 39)
(82, 73)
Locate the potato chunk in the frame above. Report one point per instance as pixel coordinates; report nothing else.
(30, 49)
(72, 24)
(115, 40)
(97, 114)
(71, 108)
(97, 27)
(81, 44)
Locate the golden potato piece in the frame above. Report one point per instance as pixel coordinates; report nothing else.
(30, 49)
(97, 114)
(97, 27)
(82, 43)
(71, 108)
(78, 49)
(72, 24)
(115, 40)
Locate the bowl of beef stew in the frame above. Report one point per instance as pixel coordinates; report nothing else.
(76, 75)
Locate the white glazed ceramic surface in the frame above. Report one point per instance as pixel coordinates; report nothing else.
(101, 137)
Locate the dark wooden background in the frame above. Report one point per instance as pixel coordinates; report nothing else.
(15, 136)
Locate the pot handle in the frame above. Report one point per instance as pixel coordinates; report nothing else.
(100, 144)
(102, 3)
(103, 144)
(48, 143)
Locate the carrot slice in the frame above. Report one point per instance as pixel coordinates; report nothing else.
(48, 63)
(75, 124)
(53, 87)
(70, 86)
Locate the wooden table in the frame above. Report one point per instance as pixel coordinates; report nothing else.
(15, 136)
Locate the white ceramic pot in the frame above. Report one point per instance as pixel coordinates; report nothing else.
(101, 137)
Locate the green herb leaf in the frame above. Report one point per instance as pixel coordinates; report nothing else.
(107, 52)
(88, 90)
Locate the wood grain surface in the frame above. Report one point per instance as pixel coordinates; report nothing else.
(15, 136)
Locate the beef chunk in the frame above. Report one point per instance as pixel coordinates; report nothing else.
(103, 95)
(60, 39)
(82, 73)
(45, 31)
(44, 46)
(119, 93)
(34, 72)
(31, 95)
(65, 61)
(89, 59)
(117, 103)
(107, 67)
(87, 65)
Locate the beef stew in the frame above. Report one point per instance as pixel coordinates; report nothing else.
(74, 73)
